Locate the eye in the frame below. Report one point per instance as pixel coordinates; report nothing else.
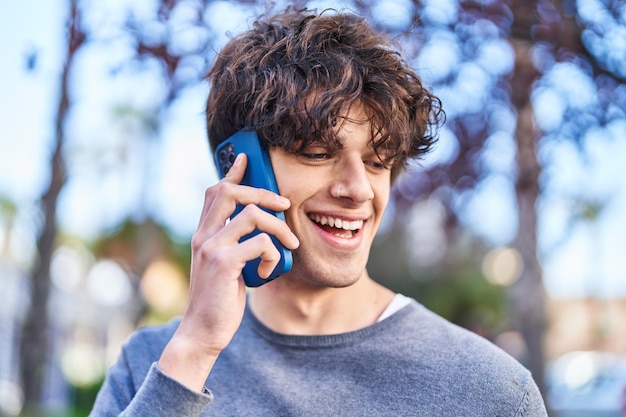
(315, 153)
(315, 156)
(376, 164)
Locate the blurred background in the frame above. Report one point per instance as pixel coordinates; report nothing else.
(513, 227)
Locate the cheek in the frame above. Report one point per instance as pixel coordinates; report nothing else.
(382, 191)
(287, 174)
(284, 181)
(295, 216)
(295, 188)
(380, 206)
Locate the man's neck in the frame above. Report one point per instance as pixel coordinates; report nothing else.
(288, 308)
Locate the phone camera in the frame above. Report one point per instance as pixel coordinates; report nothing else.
(227, 158)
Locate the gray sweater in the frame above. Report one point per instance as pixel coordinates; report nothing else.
(413, 363)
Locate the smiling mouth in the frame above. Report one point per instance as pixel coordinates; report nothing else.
(336, 226)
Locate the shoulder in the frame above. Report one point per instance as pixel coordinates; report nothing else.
(464, 365)
(457, 347)
(428, 331)
(145, 345)
(138, 354)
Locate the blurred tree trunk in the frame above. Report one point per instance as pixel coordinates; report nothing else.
(35, 337)
(527, 295)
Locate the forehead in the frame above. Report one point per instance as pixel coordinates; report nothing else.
(351, 125)
(352, 118)
(358, 119)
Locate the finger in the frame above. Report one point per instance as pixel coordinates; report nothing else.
(237, 170)
(251, 218)
(222, 199)
(244, 194)
(260, 246)
(234, 176)
(227, 262)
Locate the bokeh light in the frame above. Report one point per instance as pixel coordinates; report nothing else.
(109, 284)
(11, 398)
(502, 266)
(164, 287)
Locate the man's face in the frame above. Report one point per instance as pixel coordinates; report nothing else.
(337, 202)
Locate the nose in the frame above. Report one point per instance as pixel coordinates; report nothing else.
(351, 181)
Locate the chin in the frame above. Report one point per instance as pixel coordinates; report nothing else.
(317, 277)
(318, 269)
(325, 283)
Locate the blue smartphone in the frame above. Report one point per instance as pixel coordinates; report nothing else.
(259, 174)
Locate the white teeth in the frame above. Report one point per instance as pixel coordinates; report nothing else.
(354, 225)
(336, 222)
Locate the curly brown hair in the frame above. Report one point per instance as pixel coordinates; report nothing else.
(293, 74)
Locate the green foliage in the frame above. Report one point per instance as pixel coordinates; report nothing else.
(84, 398)
(466, 298)
(455, 288)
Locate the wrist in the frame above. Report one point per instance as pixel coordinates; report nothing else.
(185, 361)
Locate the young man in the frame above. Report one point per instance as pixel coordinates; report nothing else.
(340, 113)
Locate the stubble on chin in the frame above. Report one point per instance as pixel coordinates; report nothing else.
(321, 273)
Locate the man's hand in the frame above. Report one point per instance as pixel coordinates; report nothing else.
(217, 293)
